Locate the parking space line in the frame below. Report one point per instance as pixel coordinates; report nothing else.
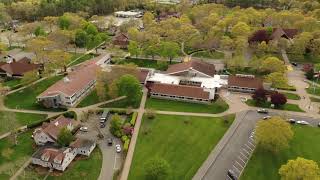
(249, 147)
(241, 159)
(246, 151)
(239, 164)
(236, 168)
(244, 155)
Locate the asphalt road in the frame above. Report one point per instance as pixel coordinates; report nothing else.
(239, 147)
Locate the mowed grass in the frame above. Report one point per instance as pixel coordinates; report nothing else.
(217, 106)
(22, 119)
(91, 99)
(84, 168)
(160, 65)
(265, 165)
(82, 59)
(292, 96)
(286, 107)
(12, 157)
(12, 83)
(315, 90)
(183, 141)
(26, 98)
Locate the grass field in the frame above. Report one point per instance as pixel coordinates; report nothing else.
(315, 90)
(120, 104)
(80, 60)
(86, 168)
(160, 65)
(169, 105)
(183, 141)
(265, 165)
(286, 107)
(22, 119)
(292, 96)
(13, 157)
(212, 55)
(26, 98)
(12, 83)
(91, 99)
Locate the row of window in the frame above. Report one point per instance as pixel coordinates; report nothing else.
(179, 97)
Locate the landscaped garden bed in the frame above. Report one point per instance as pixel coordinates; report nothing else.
(286, 107)
(183, 141)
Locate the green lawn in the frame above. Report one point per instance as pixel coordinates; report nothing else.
(170, 105)
(12, 83)
(22, 119)
(120, 104)
(315, 90)
(160, 65)
(13, 157)
(91, 99)
(212, 55)
(86, 168)
(286, 107)
(265, 165)
(80, 60)
(26, 98)
(313, 99)
(292, 96)
(183, 141)
(303, 58)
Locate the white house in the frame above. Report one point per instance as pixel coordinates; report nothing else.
(54, 158)
(48, 132)
(59, 159)
(71, 89)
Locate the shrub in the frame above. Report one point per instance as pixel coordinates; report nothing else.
(150, 113)
(126, 145)
(134, 118)
(157, 169)
(70, 114)
(127, 129)
(124, 138)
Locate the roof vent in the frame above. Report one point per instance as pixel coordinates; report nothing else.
(56, 123)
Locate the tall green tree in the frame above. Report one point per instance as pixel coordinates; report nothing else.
(300, 168)
(65, 137)
(169, 50)
(129, 86)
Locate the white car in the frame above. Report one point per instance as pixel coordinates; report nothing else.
(303, 122)
(118, 148)
(84, 129)
(252, 134)
(266, 117)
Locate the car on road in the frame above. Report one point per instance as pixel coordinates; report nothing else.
(231, 175)
(303, 122)
(264, 111)
(319, 124)
(84, 129)
(110, 141)
(102, 125)
(252, 134)
(266, 117)
(118, 148)
(243, 99)
(292, 121)
(295, 64)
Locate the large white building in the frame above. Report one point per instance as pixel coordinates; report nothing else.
(194, 81)
(69, 91)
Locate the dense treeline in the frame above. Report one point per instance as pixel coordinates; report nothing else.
(33, 10)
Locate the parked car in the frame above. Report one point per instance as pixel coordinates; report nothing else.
(252, 134)
(104, 116)
(110, 141)
(103, 47)
(231, 175)
(118, 148)
(266, 117)
(292, 121)
(295, 64)
(303, 122)
(243, 99)
(102, 125)
(264, 111)
(319, 125)
(84, 129)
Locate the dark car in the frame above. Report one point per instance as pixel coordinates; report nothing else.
(110, 141)
(295, 64)
(102, 125)
(319, 125)
(232, 175)
(292, 121)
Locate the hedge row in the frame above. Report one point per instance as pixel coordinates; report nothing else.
(134, 118)
(126, 145)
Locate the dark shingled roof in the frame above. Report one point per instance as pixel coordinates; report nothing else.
(203, 67)
(19, 68)
(263, 35)
(179, 90)
(245, 82)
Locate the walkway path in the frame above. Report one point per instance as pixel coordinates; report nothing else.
(127, 163)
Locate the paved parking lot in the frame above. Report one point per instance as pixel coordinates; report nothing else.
(112, 160)
(239, 147)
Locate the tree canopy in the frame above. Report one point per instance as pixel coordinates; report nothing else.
(300, 168)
